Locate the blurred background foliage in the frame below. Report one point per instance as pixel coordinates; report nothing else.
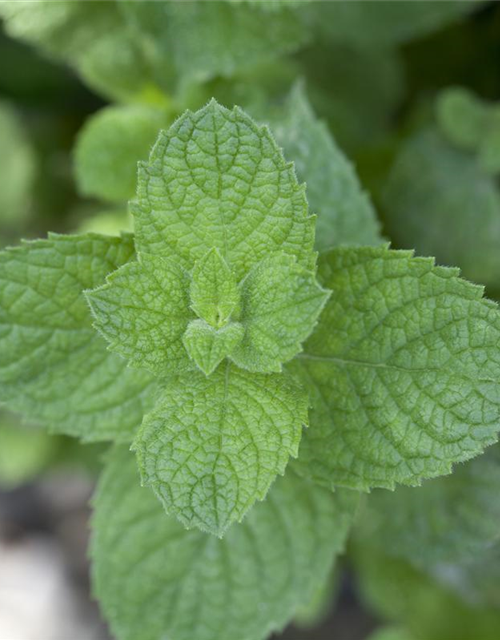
(404, 96)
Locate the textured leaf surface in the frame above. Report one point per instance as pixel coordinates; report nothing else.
(281, 303)
(155, 579)
(451, 212)
(54, 368)
(208, 346)
(214, 290)
(402, 369)
(109, 147)
(450, 519)
(143, 311)
(215, 179)
(345, 213)
(213, 446)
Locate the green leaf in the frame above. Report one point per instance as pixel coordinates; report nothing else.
(214, 290)
(109, 147)
(205, 40)
(143, 311)
(451, 212)
(471, 124)
(402, 369)
(212, 446)
(223, 232)
(345, 213)
(215, 179)
(208, 346)
(54, 368)
(155, 580)
(281, 303)
(450, 519)
(461, 116)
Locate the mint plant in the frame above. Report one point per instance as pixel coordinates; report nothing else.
(271, 388)
(216, 343)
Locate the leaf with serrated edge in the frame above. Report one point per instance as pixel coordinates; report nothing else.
(143, 311)
(214, 291)
(216, 179)
(54, 368)
(156, 580)
(212, 446)
(208, 346)
(281, 302)
(402, 369)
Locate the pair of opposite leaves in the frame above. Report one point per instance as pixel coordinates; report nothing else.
(401, 369)
(225, 268)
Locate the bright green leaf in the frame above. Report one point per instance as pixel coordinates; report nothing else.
(143, 311)
(402, 369)
(208, 346)
(156, 580)
(215, 179)
(214, 290)
(109, 147)
(213, 445)
(345, 213)
(54, 368)
(281, 302)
